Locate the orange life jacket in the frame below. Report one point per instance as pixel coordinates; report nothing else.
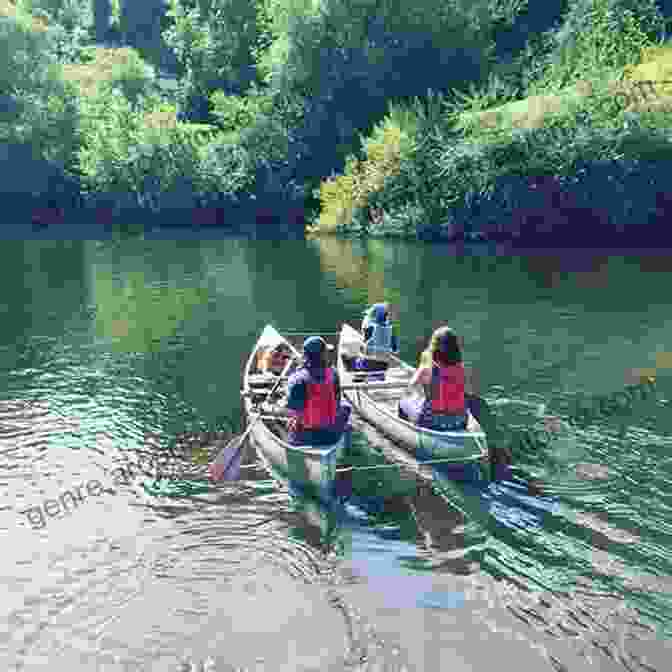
(448, 389)
(319, 410)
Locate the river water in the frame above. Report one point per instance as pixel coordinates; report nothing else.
(111, 349)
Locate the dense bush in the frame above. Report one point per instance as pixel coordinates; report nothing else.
(137, 160)
(552, 180)
(297, 90)
(142, 24)
(69, 25)
(146, 163)
(553, 177)
(214, 42)
(133, 77)
(599, 35)
(342, 196)
(344, 61)
(39, 119)
(235, 113)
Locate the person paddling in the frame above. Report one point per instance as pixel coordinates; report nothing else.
(318, 415)
(273, 360)
(441, 376)
(378, 333)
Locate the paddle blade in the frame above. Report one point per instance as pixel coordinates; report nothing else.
(226, 466)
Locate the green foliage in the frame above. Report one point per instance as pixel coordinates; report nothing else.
(214, 42)
(461, 184)
(362, 179)
(234, 113)
(141, 24)
(598, 36)
(70, 23)
(39, 115)
(154, 166)
(454, 178)
(51, 7)
(133, 77)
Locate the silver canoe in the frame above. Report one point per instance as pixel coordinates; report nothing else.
(311, 469)
(380, 406)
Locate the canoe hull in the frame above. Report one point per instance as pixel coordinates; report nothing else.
(458, 447)
(311, 470)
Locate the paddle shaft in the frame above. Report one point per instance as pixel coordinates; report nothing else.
(229, 453)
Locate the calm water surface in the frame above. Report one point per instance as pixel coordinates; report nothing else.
(111, 349)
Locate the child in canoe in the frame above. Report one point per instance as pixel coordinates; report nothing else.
(441, 377)
(273, 360)
(380, 338)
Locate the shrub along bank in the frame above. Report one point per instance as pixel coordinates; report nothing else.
(270, 98)
(566, 162)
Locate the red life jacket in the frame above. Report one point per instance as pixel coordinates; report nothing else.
(448, 389)
(319, 411)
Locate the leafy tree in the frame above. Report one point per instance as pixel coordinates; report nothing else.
(142, 23)
(215, 42)
(39, 117)
(598, 35)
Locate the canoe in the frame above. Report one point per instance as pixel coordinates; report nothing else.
(379, 407)
(309, 469)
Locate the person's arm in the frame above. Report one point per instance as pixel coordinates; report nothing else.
(337, 385)
(296, 394)
(421, 378)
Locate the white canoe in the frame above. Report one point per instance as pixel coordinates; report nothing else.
(311, 469)
(380, 408)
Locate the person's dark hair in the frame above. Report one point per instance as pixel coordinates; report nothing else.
(316, 360)
(445, 347)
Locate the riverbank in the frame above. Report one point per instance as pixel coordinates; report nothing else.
(529, 153)
(578, 165)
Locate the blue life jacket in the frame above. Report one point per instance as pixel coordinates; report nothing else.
(380, 341)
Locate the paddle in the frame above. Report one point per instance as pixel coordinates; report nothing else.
(226, 466)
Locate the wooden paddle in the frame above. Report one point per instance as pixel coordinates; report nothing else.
(226, 466)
